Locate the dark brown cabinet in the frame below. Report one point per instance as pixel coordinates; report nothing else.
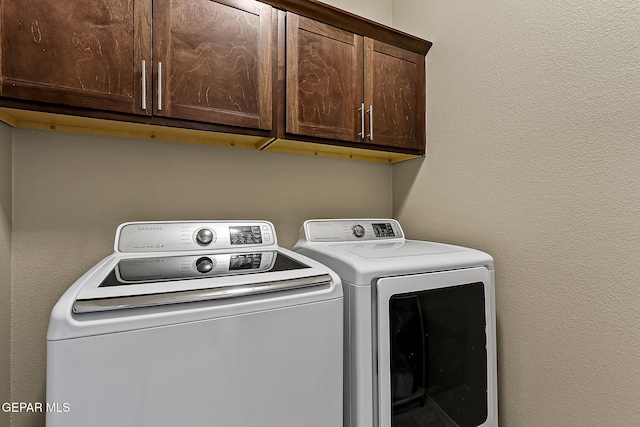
(280, 75)
(394, 93)
(80, 53)
(324, 80)
(347, 87)
(213, 61)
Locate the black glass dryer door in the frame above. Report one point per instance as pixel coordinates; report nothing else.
(434, 362)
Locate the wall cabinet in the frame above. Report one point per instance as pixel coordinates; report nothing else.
(80, 53)
(346, 87)
(211, 60)
(282, 71)
(395, 96)
(324, 80)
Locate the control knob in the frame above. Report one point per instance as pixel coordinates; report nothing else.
(358, 231)
(204, 236)
(204, 264)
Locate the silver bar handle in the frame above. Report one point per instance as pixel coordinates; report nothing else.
(370, 111)
(159, 86)
(144, 84)
(361, 109)
(152, 300)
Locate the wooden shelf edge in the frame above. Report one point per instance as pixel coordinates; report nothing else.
(85, 125)
(334, 151)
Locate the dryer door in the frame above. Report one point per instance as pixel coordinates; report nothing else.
(436, 349)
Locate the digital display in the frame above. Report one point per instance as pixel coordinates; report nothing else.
(245, 262)
(245, 235)
(383, 230)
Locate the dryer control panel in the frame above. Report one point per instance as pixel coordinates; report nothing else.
(350, 230)
(193, 235)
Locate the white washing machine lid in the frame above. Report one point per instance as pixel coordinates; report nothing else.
(158, 279)
(364, 261)
(166, 272)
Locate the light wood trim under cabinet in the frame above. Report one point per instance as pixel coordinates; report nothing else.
(90, 126)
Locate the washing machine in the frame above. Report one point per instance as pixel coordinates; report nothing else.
(198, 323)
(420, 343)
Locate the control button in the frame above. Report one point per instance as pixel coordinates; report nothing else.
(358, 231)
(204, 264)
(204, 236)
(267, 236)
(265, 227)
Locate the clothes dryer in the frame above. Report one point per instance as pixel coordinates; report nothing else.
(199, 323)
(420, 343)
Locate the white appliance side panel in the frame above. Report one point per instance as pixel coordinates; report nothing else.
(389, 286)
(279, 368)
(360, 356)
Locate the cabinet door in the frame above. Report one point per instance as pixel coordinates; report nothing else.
(213, 61)
(395, 87)
(324, 80)
(80, 53)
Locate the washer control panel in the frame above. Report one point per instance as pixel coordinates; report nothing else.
(193, 235)
(350, 230)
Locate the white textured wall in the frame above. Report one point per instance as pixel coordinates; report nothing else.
(5, 268)
(534, 156)
(71, 191)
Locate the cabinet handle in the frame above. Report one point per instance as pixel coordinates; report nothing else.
(370, 111)
(159, 86)
(144, 84)
(361, 109)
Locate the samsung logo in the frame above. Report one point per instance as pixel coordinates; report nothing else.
(149, 228)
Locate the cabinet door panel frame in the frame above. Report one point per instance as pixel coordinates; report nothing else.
(94, 74)
(204, 110)
(398, 76)
(323, 104)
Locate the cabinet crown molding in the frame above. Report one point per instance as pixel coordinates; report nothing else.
(354, 23)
